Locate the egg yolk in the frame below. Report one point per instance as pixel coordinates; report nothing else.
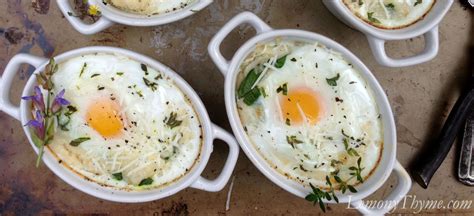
(104, 117)
(299, 105)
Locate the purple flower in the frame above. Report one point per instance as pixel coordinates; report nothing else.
(38, 125)
(37, 99)
(58, 102)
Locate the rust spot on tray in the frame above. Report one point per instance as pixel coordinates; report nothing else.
(41, 6)
(15, 9)
(21, 203)
(13, 35)
(177, 208)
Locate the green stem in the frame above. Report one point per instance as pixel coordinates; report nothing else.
(40, 154)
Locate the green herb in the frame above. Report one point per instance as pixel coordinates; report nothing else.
(335, 162)
(171, 121)
(331, 189)
(63, 120)
(317, 196)
(371, 18)
(292, 140)
(357, 171)
(333, 81)
(361, 2)
(100, 88)
(252, 96)
(118, 176)
(418, 2)
(390, 6)
(120, 73)
(246, 84)
(94, 75)
(350, 151)
(288, 122)
(84, 66)
(280, 62)
(144, 68)
(78, 141)
(147, 181)
(283, 88)
(264, 93)
(150, 84)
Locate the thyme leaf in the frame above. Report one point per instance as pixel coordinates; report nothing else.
(171, 121)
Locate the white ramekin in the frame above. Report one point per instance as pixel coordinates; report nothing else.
(191, 179)
(377, 37)
(111, 15)
(230, 70)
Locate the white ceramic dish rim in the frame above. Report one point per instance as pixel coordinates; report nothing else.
(191, 179)
(230, 70)
(377, 37)
(111, 15)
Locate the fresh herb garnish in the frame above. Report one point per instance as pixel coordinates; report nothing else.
(357, 171)
(171, 121)
(333, 81)
(150, 84)
(350, 151)
(288, 122)
(63, 120)
(292, 140)
(46, 110)
(418, 2)
(118, 176)
(78, 141)
(317, 196)
(280, 62)
(246, 84)
(94, 75)
(283, 89)
(252, 96)
(120, 73)
(147, 181)
(371, 18)
(262, 90)
(84, 66)
(390, 6)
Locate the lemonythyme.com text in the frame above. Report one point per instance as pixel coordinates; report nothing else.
(411, 202)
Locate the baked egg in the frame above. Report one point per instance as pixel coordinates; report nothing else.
(309, 113)
(128, 126)
(390, 14)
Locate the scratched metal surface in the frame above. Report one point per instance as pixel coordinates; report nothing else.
(420, 97)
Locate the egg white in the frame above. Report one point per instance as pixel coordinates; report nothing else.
(309, 65)
(151, 7)
(147, 146)
(390, 14)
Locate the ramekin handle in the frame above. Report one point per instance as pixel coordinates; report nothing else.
(430, 51)
(215, 44)
(219, 183)
(392, 200)
(7, 79)
(78, 24)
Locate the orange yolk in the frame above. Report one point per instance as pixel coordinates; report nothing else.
(104, 117)
(299, 104)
